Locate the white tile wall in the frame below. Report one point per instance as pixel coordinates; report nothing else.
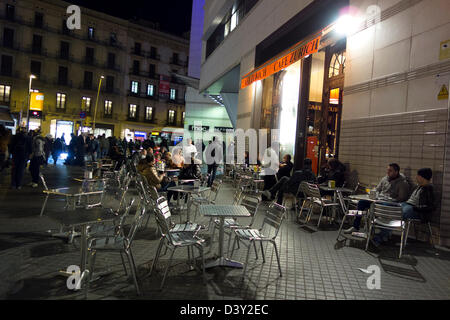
(356, 105)
(430, 14)
(394, 29)
(388, 100)
(358, 70)
(392, 59)
(422, 94)
(361, 44)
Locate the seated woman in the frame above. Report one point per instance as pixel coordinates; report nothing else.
(334, 170)
(420, 204)
(189, 171)
(147, 168)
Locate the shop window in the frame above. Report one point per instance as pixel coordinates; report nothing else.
(60, 101)
(108, 107)
(86, 104)
(337, 65)
(5, 93)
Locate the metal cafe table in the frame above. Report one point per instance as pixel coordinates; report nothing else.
(188, 190)
(83, 219)
(222, 212)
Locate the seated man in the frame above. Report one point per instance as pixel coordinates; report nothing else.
(420, 204)
(270, 165)
(392, 187)
(285, 167)
(334, 170)
(189, 171)
(286, 184)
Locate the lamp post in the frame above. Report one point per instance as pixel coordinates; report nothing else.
(28, 100)
(96, 102)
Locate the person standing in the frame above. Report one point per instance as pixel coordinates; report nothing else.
(20, 148)
(57, 148)
(4, 141)
(37, 158)
(48, 148)
(214, 156)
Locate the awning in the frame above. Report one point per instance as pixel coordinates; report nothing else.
(6, 118)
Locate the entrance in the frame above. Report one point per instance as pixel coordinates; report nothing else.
(58, 128)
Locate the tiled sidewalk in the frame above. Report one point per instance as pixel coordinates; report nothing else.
(314, 265)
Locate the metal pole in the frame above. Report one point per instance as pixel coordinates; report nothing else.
(96, 102)
(28, 103)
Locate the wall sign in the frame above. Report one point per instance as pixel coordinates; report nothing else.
(296, 53)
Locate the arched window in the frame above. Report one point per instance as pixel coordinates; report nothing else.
(337, 65)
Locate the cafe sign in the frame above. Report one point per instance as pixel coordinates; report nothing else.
(37, 101)
(295, 54)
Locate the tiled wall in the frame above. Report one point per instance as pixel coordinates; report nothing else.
(413, 140)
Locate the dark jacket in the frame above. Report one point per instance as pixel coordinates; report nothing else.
(191, 172)
(426, 202)
(20, 146)
(285, 171)
(298, 177)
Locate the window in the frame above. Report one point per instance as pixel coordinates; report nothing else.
(112, 38)
(5, 93)
(136, 67)
(87, 83)
(89, 55)
(148, 113)
(137, 48)
(38, 20)
(135, 87)
(6, 68)
(132, 111)
(64, 28)
(150, 90)
(64, 50)
(337, 64)
(91, 33)
(10, 12)
(111, 60)
(62, 75)
(60, 101)
(171, 117)
(86, 104)
(175, 58)
(152, 71)
(108, 107)
(109, 83)
(173, 94)
(8, 38)
(35, 68)
(153, 53)
(37, 44)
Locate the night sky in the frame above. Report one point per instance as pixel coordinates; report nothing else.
(173, 16)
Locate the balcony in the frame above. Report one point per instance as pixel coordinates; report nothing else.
(113, 67)
(178, 63)
(176, 101)
(155, 57)
(67, 83)
(111, 91)
(140, 53)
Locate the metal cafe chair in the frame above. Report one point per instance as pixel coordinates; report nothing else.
(267, 233)
(389, 218)
(211, 199)
(313, 192)
(347, 213)
(418, 221)
(119, 242)
(174, 240)
(252, 203)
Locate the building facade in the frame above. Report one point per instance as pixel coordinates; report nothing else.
(361, 80)
(132, 62)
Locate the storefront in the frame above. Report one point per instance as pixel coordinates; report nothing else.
(58, 128)
(300, 93)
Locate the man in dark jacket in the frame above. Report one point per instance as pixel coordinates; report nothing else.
(20, 148)
(285, 167)
(291, 185)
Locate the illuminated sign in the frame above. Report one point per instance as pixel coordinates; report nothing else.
(36, 114)
(269, 68)
(334, 96)
(37, 101)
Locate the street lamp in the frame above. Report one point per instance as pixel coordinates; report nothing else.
(96, 102)
(32, 76)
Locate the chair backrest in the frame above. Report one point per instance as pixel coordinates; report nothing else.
(251, 202)
(215, 187)
(386, 212)
(237, 196)
(341, 201)
(314, 191)
(273, 219)
(163, 216)
(137, 221)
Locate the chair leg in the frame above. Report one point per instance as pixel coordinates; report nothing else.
(320, 217)
(301, 210)
(246, 262)
(167, 269)
(123, 264)
(401, 243)
(407, 231)
(133, 270)
(340, 228)
(369, 234)
(256, 251)
(234, 242)
(431, 234)
(44, 205)
(91, 263)
(158, 252)
(262, 252)
(278, 257)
